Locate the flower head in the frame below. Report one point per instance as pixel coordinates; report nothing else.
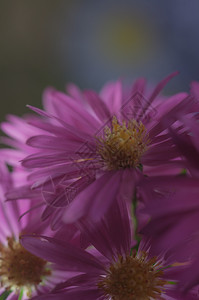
(19, 268)
(93, 142)
(111, 269)
(23, 273)
(133, 276)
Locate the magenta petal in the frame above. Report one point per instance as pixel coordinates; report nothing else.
(130, 180)
(161, 153)
(95, 200)
(62, 254)
(48, 211)
(168, 233)
(39, 111)
(13, 296)
(112, 234)
(97, 105)
(68, 128)
(188, 150)
(139, 86)
(50, 297)
(55, 173)
(40, 160)
(84, 294)
(112, 96)
(65, 192)
(164, 196)
(189, 278)
(75, 92)
(48, 142)
(73, 294)
(69, 109)
(172, 204)
(13, 157)
(23, 192)
(184, 105)
(83, 280)
(161, 85)
(195, 89)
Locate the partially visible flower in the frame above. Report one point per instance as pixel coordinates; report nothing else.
(171, 205)
(188, 144)
(98, 146)
(185, 136)
(22, 274)
(113, 269)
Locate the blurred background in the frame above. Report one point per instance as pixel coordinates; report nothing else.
(48, 42)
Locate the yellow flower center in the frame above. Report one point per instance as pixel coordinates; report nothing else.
(133, 278)
(19, 269)
(123, 145)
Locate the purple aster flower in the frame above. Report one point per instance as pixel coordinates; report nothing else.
(112, 269)
(98, 146)
(22, 274)
(185, 136)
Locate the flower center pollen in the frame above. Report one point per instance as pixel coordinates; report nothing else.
(123, 145)
(133, 278)
(19, 268)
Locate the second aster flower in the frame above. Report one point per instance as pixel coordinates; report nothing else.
(112, 269)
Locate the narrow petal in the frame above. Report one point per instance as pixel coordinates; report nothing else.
(160, 86)
(111, 235)
(95, 200)
(97, 105)
(62, 253)
(111, 94)
(73, 294)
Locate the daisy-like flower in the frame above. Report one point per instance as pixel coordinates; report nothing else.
(99, 146)
(22, 274)
(172, 202)
(172, 205)
(113, 269)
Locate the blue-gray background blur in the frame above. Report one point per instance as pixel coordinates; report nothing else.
(48, 42)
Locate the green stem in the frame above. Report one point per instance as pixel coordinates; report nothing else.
(5, 295)
(134, 206)
(20, 295)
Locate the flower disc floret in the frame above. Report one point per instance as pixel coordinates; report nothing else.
(133, 277)
(123, 145)
(19, 268)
